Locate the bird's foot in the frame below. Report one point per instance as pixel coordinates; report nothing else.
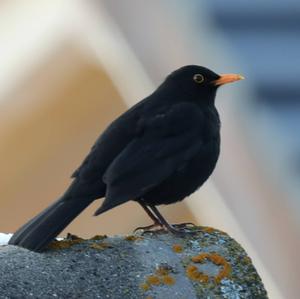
(149, 228)
(185, 225)
(180, 230)
(187, 228)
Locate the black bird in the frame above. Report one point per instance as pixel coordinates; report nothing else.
(158, 152)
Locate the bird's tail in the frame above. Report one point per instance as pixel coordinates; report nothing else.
(37, 233)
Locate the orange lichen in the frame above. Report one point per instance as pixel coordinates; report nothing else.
(153, 280)
(149, 297)
(162, 270)
(145, 287)
(193, 272)
(177, 248)
(64, 244)
(133, 238)
(160, 277)
(59, 244)
(200, 257)
(98, 237)
(168, 280)
(100, 246)
(217, 259)
(223, 273)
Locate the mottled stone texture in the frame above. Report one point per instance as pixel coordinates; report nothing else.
(208, 264)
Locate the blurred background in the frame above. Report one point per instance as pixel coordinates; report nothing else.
(69, 67)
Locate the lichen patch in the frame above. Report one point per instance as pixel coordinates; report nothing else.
(133, 238)
(101, 246)
(193, 272)
(177, 248)
(98, 237)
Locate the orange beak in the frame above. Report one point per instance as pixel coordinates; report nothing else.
(227, 78)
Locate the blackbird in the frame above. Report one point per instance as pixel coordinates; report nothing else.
(158, 152)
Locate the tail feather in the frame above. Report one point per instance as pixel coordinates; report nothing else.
(37, 233)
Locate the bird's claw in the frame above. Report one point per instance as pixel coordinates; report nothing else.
(185, 225)
(181, 229)
(148, 228)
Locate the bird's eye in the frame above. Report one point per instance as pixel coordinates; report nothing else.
(198, 78)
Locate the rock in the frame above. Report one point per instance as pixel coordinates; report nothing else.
(208, 264)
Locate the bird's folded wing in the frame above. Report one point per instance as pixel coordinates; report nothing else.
(167, 141)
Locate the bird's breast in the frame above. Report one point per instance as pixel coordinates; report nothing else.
(188, 178)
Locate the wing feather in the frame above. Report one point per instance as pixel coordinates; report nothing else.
(167, 142)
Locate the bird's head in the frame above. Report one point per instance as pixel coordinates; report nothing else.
(200, 82)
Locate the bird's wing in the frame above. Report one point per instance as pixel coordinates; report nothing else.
(110, 143)
(166, 142)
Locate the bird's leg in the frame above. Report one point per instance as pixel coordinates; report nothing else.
(156, 222)
(166, 225)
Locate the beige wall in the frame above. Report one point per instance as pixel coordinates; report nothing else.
(47, 126)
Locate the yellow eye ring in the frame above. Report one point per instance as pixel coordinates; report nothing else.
(198, 78)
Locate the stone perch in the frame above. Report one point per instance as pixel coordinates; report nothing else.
(156, 265)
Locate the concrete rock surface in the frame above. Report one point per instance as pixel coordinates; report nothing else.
(207, 264)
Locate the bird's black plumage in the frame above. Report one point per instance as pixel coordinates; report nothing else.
(158, 152)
